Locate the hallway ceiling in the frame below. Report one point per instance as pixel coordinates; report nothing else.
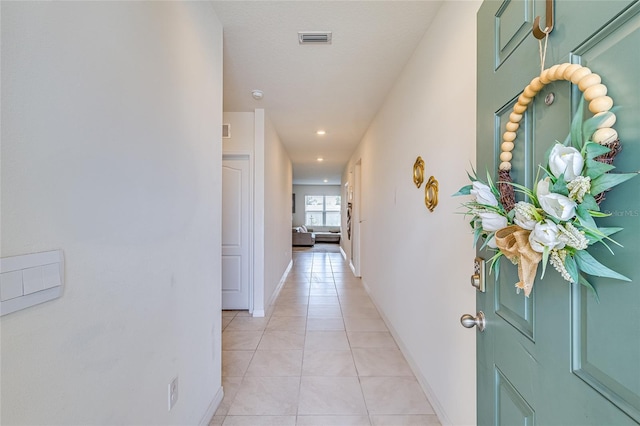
(337, 87)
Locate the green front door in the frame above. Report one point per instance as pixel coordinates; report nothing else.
(559, 357)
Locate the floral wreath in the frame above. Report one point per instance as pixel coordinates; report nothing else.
(557, 223)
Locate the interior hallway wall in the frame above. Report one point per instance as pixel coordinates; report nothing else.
(278, 180)
(253, 133)
(111, 151)
(416, 264)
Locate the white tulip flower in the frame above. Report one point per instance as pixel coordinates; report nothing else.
(483, 194)
(567, 160)
(557, 205)
(492, 221)
(545, 235)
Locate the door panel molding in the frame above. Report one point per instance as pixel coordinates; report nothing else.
(231, 273)
(231, 232)
(606, 384)
(513, 25)
(511, 408)
(509, 305)
(591, 347)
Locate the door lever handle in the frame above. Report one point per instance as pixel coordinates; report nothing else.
(469, 321)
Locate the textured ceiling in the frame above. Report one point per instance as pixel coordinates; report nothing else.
(337, 87)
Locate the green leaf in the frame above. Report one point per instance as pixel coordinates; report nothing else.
(591, 125)
(495, 264)
(593, 150)
(585, 218)
(545, 258)
(609, 180)
(594, 169)
(589, 265)
(489, 181)
(524, 190)
(589, 203)
(560, 186)
(609, 231)
(590, 286)
(487, 238)
(576, 126)
(597, 236)
(465, 190)
(571, 267)
(473, 176)
(477, 232)
(595, 213)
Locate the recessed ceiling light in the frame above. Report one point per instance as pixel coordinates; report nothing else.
(326, 180)
(320, 159)
(321, 132)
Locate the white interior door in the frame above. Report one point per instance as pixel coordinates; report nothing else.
(236, 237)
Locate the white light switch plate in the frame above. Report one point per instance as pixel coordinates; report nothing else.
(30, 279)
(10, 285)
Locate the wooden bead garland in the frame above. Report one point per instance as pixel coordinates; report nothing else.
(588, 82)
(595, 93)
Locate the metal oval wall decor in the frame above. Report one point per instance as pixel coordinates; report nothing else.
(418, 172)
(431, 193)
(431, 187)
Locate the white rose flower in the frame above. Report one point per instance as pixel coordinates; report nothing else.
(492, 221)
(545, 234)
(567, 160)
(483, 194)
(557, 205)
(525, 216)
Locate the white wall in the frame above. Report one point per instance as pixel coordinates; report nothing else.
(278, 177)
(242, 132)
(302, 190)
(253, 133)
(417, 264)
(111, 151)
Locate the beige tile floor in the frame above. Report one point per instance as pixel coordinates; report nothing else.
(322, 356)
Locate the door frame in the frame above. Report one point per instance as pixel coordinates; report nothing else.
(246, 155)
(356, 220)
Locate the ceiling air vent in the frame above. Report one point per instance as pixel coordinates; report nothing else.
(226, 131)
(314, 37)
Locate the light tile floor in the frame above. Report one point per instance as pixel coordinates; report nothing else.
(322, 356)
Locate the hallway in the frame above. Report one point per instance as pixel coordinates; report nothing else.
(321, 356)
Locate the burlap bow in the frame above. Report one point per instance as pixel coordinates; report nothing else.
(513, 241)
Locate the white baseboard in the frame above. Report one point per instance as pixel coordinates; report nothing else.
(211, 410)
(344, 254)
(422, 381)
(276, 292)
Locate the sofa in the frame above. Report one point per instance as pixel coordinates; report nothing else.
(331, 235)
(302, 237)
